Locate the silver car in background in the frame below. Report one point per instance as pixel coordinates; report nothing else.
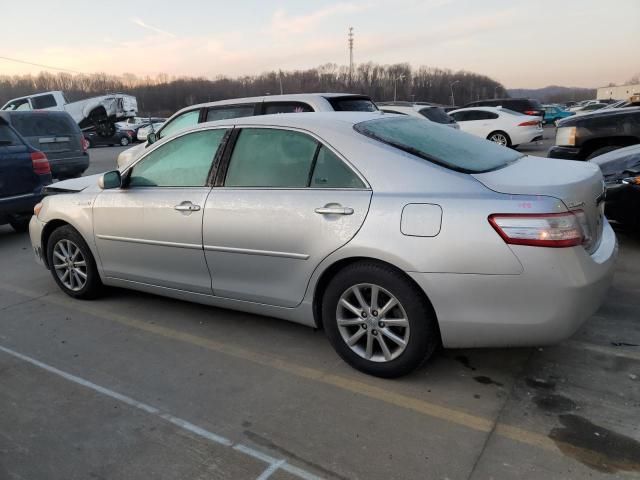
(394, 234)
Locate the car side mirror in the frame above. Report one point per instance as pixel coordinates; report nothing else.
(110, 180)
(152, 138)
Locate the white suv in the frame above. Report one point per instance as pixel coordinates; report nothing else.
(430, 112)
(247, 107)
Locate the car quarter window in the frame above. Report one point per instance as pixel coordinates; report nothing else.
(331, 172)
(286, 107)
(182, 162)
(185, 120)
(266, 157)
(230, 111)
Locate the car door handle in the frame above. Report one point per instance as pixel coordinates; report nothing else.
(334, 210)
(187, 207)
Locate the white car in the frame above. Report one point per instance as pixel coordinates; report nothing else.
(430, 112)
(248, 107)
(500, 125)
(143, 132)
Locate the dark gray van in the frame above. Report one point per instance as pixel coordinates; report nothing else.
(55, 134)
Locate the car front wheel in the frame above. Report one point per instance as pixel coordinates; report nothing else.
(72, 264)
(124, 141)
(379, 321)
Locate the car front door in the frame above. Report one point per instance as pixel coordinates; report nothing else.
(150, 231)
(284, 202)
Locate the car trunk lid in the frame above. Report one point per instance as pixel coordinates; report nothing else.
(578, 185)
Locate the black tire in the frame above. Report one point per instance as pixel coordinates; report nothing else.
(493, 135)
(93, 284)
(124, 141)
(603, 150)
(20, 225)
(424, 336)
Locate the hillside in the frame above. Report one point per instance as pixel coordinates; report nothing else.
(554, 93)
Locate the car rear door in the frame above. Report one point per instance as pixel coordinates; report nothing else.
(284, 202)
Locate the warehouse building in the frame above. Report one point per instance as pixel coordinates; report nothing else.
(620, 92)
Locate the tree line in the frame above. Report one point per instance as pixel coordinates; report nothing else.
(162, 95)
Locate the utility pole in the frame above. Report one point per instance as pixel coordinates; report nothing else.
(350, 37)
(280, 78)
(395, 85)
(453, 98)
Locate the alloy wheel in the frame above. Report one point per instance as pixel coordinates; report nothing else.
(372, 322)
(499, 138)
(70, 265)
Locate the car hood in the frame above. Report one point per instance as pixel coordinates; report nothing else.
(74, 185)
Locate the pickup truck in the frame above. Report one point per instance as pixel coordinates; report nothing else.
(587, 136)
(99, 112)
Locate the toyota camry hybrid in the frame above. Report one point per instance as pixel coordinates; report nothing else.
(393, 234)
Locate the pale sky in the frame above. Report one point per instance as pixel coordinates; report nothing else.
(521, 43)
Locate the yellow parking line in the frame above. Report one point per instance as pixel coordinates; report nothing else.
(458, 417)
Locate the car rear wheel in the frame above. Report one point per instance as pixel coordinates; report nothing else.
(501, 138)
(603, 150)
(72, 264)
(124, 141)
(378, 321)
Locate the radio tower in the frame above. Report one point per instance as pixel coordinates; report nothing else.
(350, 36)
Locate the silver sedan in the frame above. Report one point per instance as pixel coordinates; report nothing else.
(394, 234)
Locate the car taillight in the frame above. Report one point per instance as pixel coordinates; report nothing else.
(85, 144)
(530, 123)
(40, 163)
(531, 112)
(539, 230)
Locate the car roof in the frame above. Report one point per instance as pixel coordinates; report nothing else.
(305, 120)
(299, 97)
(486, 109)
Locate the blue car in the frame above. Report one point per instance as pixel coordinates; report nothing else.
(24, 171)
(553, 113)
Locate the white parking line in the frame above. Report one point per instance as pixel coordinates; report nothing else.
(274, 464)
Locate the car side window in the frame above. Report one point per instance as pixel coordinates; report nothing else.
(230, 111)
(286, 107)
(43, 101)
(186, 120)
(265, 157)
(472, 115)
(459, 116)
(331, 172)
(182, 162)
(488, 115)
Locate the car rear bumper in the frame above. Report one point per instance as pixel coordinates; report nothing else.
(36, 226)
(69, 166)
(18, 205)
(566, 153)
(558, 290)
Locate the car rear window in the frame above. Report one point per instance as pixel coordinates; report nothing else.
(39, 124)
(437, 115)
(352, 104)
(438, 144)
(7, 136)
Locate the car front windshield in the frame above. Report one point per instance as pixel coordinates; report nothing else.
(439, 144)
